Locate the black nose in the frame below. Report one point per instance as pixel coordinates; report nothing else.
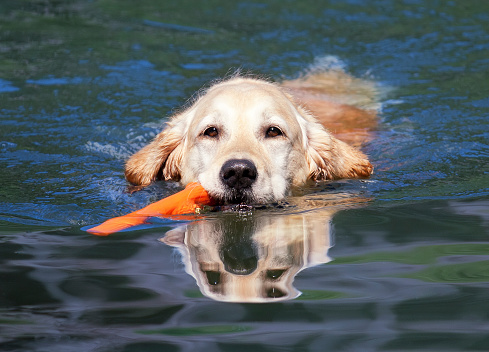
(238, 173)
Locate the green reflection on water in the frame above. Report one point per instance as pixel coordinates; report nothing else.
(315, 295)
(418, 255)
(194, 294)
(15, 322)
(454, 273)
(477, 271)
(198, 330)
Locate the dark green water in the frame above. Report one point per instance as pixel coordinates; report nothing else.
(84, 84)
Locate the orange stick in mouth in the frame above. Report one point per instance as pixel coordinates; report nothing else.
(184, 202)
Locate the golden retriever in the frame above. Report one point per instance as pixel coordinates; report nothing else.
(248, 140)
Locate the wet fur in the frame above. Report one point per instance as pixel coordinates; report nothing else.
(243, 107)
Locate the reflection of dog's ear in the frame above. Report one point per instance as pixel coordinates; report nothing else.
(162, 157)
(328, 157)
(175, 237)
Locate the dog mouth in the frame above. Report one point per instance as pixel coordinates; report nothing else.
(232, 196)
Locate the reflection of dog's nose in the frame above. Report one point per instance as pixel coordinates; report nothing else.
(238, 173)
(240, 258)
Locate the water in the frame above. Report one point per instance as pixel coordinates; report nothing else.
(404, 266)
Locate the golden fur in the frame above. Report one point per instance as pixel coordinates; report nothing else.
(243, 110)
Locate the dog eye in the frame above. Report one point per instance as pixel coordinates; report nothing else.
(274, 292)
(274, 274)
(273, 132)
(211, 132)
(213, 277)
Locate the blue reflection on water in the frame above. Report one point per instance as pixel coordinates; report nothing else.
(6, 86)
(51, 81)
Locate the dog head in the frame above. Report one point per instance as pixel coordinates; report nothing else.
(245, 140)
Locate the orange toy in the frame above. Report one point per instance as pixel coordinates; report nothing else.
(183, 202)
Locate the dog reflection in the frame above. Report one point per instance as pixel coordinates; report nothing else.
(252, 258)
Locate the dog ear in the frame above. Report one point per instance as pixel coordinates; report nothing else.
(329, 158)
(175, 237)
(161, 159)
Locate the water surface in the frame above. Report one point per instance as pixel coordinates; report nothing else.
(83, 85)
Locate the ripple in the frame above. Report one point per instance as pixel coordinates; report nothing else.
(455, 273)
